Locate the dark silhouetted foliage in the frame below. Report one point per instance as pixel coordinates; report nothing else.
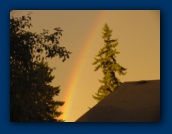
(106, 60)
(31, 95)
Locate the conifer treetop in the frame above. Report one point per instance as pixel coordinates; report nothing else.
(106, 61)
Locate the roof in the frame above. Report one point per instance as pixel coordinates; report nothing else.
(131, 102)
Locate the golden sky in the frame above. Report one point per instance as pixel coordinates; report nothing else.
(138, 33)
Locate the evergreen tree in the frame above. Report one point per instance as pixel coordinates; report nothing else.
(31, 95)
(106, 60)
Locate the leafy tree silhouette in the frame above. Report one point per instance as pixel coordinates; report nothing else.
(31, 95)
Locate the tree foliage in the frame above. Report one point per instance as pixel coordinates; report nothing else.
(31, 95)
(106, 60)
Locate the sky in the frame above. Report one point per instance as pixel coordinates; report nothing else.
(138, 34)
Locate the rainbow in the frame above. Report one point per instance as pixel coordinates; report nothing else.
(77, 68)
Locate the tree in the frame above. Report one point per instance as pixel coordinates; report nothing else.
(31, 95)
(106, 60)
